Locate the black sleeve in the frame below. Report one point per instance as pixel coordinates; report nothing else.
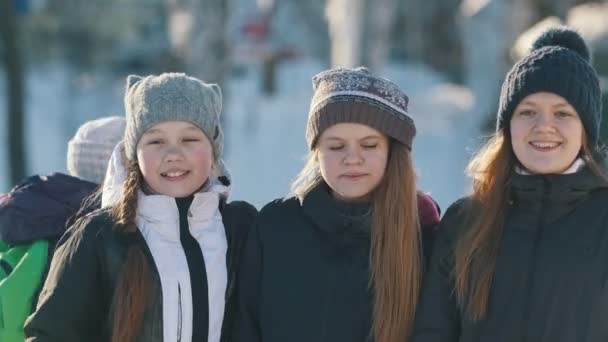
(247, 323)
(437, 315)
(239, 218)
(429, 234)
(70, 306)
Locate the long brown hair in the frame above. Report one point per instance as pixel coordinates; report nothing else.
(396, 255)
(129, 301)
(476, 251)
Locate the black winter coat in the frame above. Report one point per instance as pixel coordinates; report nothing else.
(305, 271)
(40, 207)
(551, 278)
(75, 302)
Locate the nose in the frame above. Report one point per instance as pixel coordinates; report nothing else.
(353, 157)
(544, 122)
(173, 153)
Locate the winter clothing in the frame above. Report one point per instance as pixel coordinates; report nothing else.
(172, 97)
(305, 274)
(36, 213)
(197, 278)
(33, 216)
(21, 271)
(355, 95)
(40, 206)
(90, 148)
(74, 304)
(192, 286)
(201, 270)
(559, 63)
(550, 281)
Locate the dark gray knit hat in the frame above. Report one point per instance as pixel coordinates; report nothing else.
(559, 63)
(172, 97)
(355, 95)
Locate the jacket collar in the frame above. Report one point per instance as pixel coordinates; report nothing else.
(161, 208)
(555, 194)
(160, 211)
(343, 222)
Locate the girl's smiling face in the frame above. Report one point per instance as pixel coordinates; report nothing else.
(175, 158)
(546, 133)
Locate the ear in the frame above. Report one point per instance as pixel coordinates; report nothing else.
(217, 92)
(217, 99)
(315, 82)
(132, 80)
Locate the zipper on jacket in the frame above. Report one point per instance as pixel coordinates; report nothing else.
(179, 313)
(532, 269)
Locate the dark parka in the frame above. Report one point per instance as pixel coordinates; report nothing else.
(42, 207)
(550, 282)
(76, 298)
(305, 270)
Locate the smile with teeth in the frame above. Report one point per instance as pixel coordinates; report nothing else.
(173, 174)
(545, 145)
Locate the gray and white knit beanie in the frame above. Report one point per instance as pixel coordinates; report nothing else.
(91, 147)
(357, 96)
(172, 97)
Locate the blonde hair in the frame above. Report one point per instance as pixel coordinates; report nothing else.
(396, 253)
(309, 177)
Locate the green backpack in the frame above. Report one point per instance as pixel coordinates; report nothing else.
(21, 270)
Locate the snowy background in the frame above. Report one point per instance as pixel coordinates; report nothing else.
(452, 97)
(265, 145)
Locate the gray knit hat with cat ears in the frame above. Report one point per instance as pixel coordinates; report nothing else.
(172, 97)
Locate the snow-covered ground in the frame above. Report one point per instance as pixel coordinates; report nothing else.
(264, 135)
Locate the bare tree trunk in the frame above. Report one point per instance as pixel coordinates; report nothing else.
(429, 33)
(488, 36)
(381, 17)
(197, 31)
(15, 90)
(209, 57)
(346, 22)
(312, 12)
(360, 31)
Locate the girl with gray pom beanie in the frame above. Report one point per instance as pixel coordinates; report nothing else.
(525, 257)
(159, 262)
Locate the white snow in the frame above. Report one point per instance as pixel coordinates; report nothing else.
(265, 145)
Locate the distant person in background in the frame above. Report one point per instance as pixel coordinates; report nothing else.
(36, 213)
(525, 257)
(159, 261)
(343, 258)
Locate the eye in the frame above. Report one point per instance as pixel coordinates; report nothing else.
(563, 114)
(191, 139)
(370, 146)
(336, 147)
(155, 142)
(526, 112)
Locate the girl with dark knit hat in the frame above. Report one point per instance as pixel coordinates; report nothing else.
(158, 262)
(525, 257)
(342, 259)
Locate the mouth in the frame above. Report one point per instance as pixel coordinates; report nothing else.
(545, 146)
(354, 176)
(174, 175)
